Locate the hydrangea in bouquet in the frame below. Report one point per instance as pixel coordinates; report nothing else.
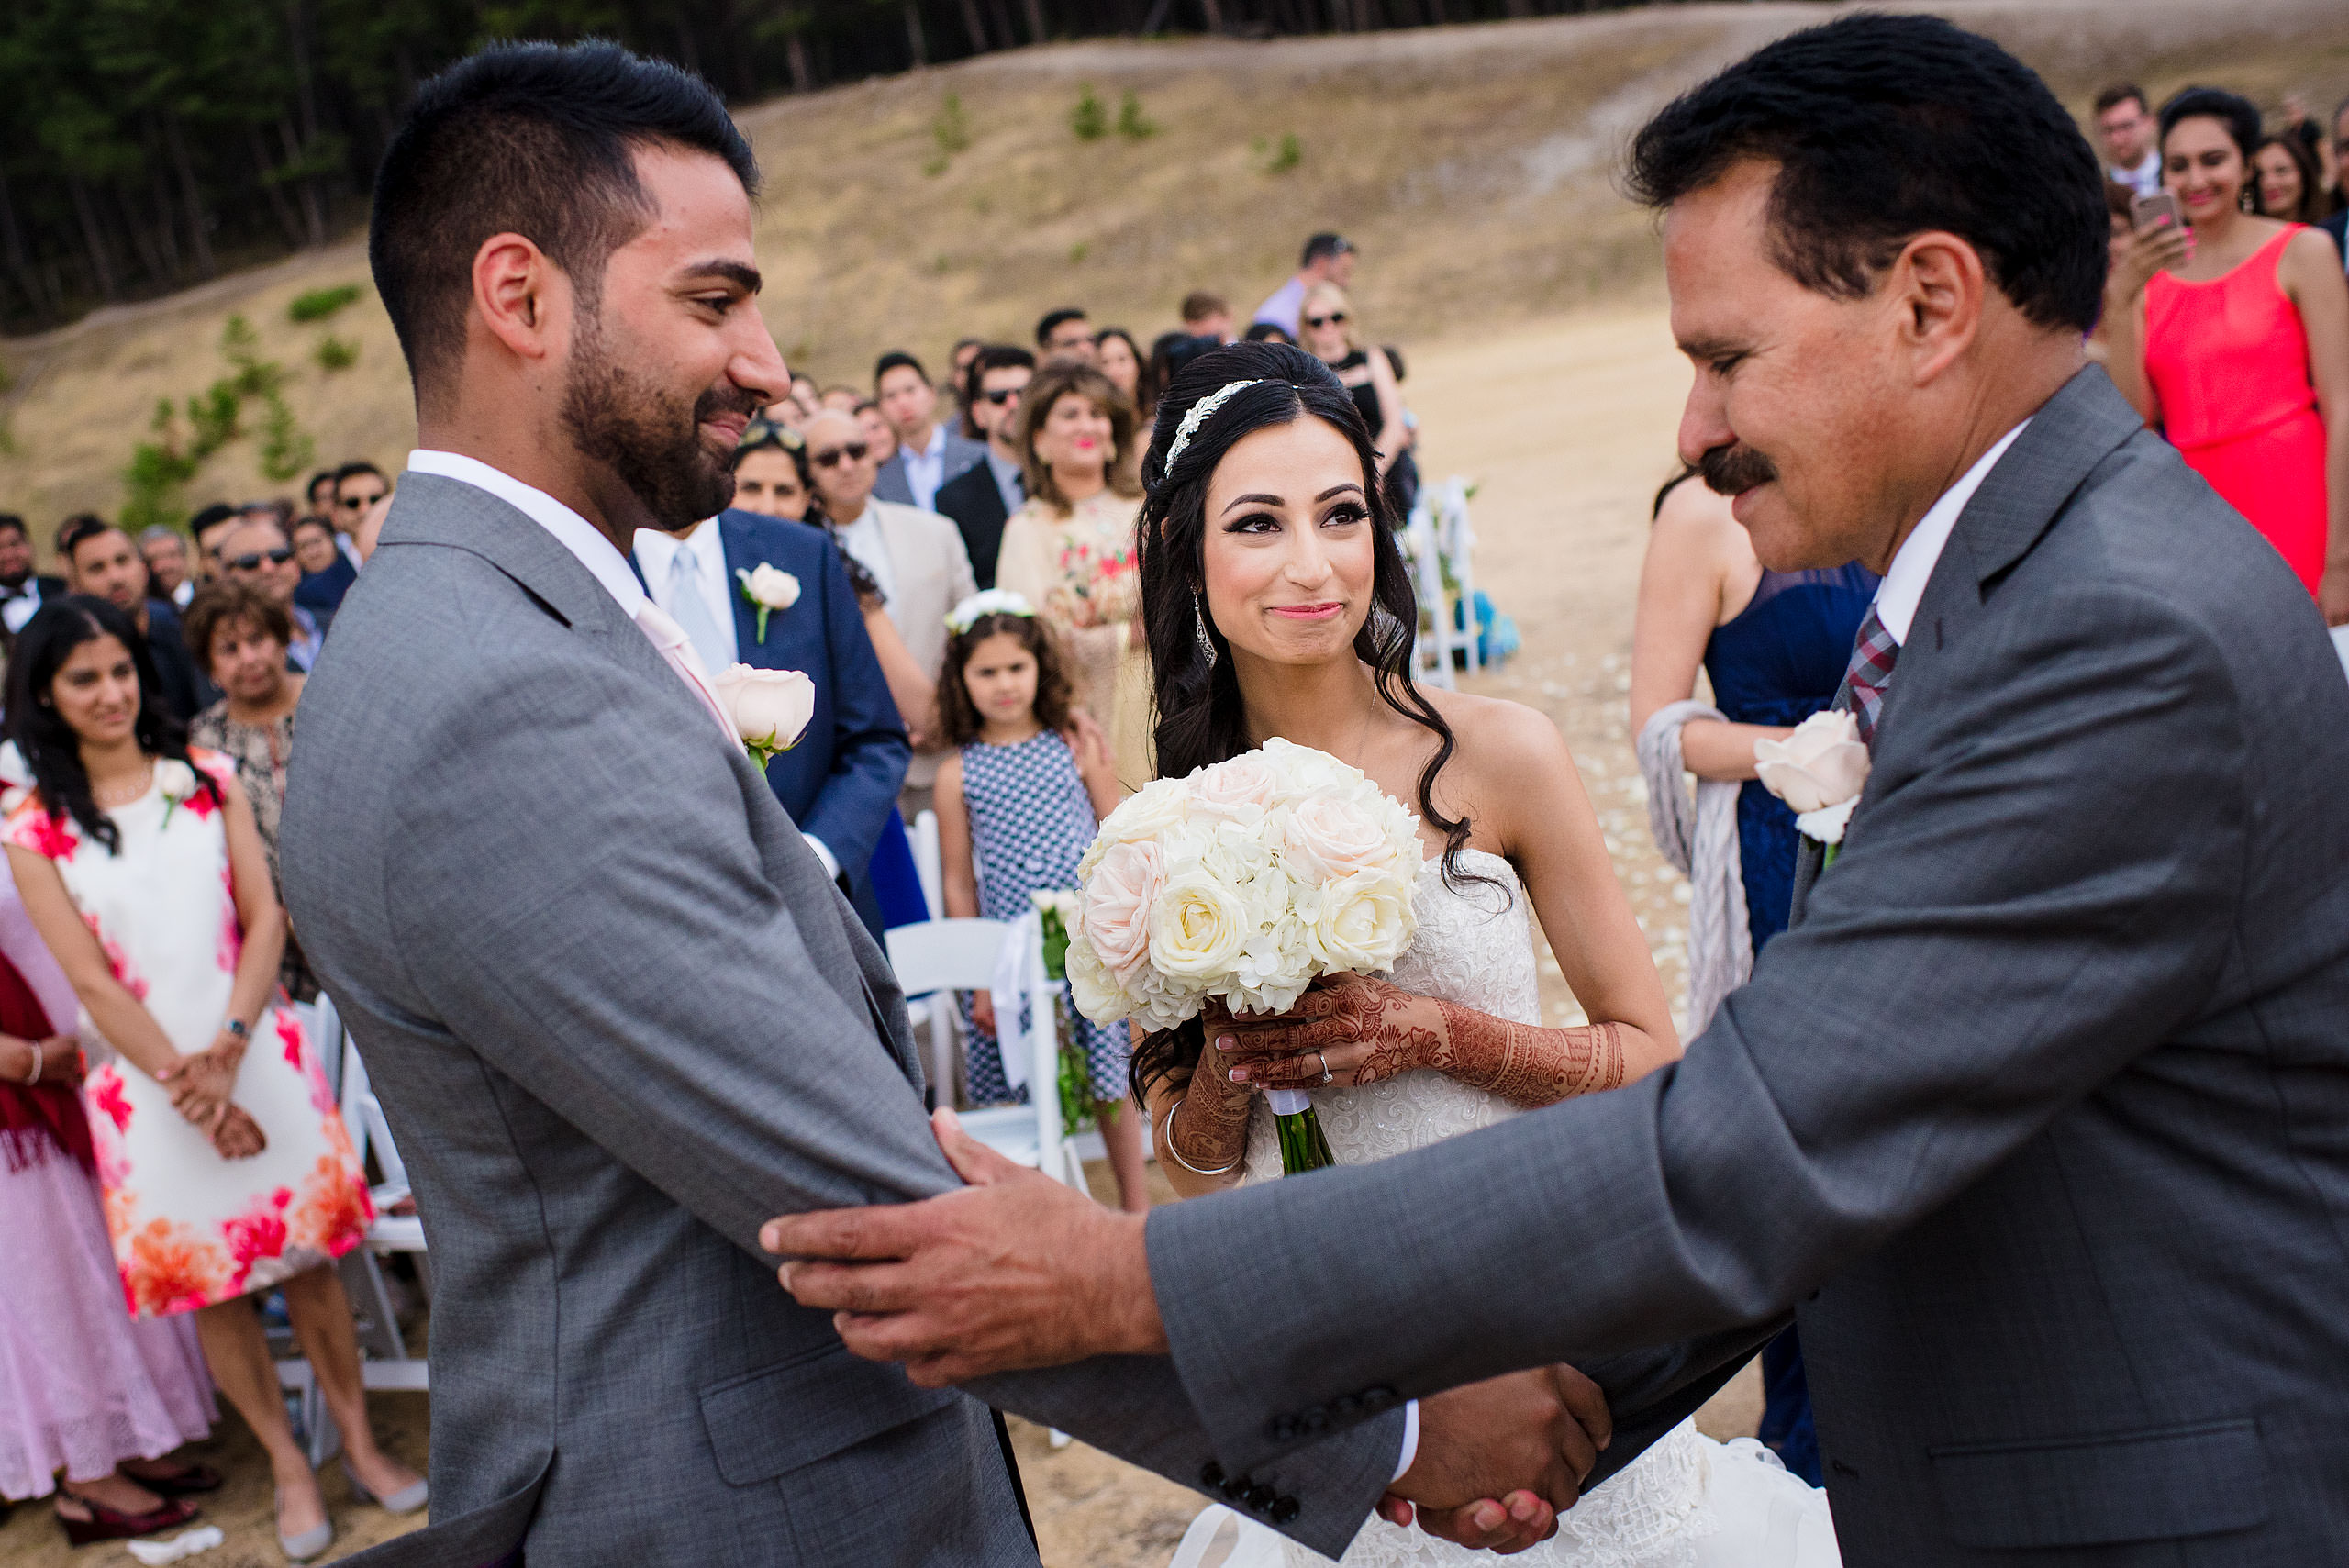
(1246, 882)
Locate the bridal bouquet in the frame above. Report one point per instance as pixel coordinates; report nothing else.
(1245, 882)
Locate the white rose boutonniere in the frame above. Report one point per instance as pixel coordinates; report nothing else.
(177, 782)
(768, 588)
(1818, 770)
(770, 707)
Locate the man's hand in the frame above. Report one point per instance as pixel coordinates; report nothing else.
(1011, 1271)
(1499, 1461)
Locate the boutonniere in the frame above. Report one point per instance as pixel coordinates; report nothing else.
(769, 709)
(178, 782)
(1819, 770)
(769, 589)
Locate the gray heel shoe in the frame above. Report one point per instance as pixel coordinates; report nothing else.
(310, 1543)
(406, 1500)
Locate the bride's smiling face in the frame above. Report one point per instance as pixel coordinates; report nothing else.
(1288, 552)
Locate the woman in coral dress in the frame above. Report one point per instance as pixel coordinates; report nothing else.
(226, 1167)
(2233, 340)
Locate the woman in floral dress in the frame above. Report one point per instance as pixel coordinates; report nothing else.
(227, 1171)
(1070, 551)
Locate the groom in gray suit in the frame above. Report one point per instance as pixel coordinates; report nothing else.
(615, 1010)
(2039, 1119)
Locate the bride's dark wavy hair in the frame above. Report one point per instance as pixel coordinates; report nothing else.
(1199, 715)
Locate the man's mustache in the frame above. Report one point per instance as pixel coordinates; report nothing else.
(1732, 469)
(728, 399)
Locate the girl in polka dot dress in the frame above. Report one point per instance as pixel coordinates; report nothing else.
(1018, 803)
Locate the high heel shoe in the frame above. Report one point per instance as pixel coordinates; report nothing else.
(310, 1543)
(111, 1524)
(406, 1500)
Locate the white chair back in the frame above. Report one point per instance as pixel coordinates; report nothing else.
(928, 864)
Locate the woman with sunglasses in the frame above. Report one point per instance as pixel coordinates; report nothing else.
(1327, 327)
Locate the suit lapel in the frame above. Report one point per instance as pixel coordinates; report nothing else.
(741, 555)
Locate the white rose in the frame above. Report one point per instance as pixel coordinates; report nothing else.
(1098, 996)
(1362, 923)
(1118, 898)
(1146, 814)
(175, 779)
(1238, 789)
(769, 587)
(770, 707)
(1198, 929)
(1822, 763)
(1326, 839)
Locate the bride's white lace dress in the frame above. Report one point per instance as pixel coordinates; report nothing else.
(1688, 1502)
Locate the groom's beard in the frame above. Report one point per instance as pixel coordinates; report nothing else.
(1732, 470)
(649, 437)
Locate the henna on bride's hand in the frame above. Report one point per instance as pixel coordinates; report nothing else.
(1207, 1131)
(1524, 1063)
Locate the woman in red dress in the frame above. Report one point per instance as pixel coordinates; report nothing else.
(2232, 337)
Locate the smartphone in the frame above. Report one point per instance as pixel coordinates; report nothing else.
(2150, 212)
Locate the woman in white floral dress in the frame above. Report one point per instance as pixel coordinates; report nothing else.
(226, 1169)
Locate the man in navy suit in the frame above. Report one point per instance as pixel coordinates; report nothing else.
(841, 782)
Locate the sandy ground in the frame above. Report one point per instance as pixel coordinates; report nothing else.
(1566, 426)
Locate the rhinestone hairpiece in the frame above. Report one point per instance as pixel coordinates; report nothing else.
(1200, 414)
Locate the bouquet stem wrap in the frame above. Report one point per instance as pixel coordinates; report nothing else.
(1302, 1146)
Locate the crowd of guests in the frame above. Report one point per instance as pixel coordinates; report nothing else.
(953, 565)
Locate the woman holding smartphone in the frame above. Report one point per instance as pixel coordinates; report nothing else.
(2231, 335)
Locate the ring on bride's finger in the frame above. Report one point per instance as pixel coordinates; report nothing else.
(1326, 1074)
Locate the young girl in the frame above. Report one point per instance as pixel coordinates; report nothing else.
(1018, 802)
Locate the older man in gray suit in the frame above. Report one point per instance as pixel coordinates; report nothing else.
(615, 1011)
(2039, 1119)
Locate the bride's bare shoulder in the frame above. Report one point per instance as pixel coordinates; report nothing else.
(1499, 739)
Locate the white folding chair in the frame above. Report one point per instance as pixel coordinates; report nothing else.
(1455, 545)
(384, 1361)
(928, 864)
(1431, 656)
(942, 956)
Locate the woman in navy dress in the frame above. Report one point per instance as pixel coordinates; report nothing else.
(1773, 646)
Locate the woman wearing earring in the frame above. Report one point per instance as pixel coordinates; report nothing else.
(1070, 551)
(226, 1169)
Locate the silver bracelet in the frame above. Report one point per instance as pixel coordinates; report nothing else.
(34, 1077)
(1166, 1136)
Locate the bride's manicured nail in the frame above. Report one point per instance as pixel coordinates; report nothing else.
(1240, 1074)
(1225, 1042)
(1490, 1516)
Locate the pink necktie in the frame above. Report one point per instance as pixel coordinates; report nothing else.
(678, 650)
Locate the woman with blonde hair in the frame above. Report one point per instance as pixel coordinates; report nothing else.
(1070, 551)
(1327, 329)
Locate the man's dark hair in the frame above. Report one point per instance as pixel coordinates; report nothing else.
(78, 531)
(1323, 246)
(536, 140)
(1199, 305)
(1884, 128)
(352, 471)
(12, 524)
(2237, 113)
(1052, 322)
(2120, 92)
(891, 360)
(211, 517)
(313, 521)
(996, 357)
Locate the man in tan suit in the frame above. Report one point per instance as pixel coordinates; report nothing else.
(915, 556)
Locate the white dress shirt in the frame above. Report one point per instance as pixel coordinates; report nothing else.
(1011, 480)
(926, 469)
(863, 539)
(2145, 178)
(706, 549)
(1903, 587)
(576, 534)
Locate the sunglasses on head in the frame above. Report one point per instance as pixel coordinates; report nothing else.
(1335, 318)
(831, 456)
(277, 557)
(1002, 395)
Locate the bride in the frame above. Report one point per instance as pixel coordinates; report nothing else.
(1276, 604)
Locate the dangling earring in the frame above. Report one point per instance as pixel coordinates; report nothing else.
(1206, 643)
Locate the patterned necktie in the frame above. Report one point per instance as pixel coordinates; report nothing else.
(678, 650)
(1870, 671)
(691, 611)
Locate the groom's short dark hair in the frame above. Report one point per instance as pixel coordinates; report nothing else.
(531, 139)
(1887, 126)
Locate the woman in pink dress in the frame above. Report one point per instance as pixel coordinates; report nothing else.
(2232, 337)
(227, 1171)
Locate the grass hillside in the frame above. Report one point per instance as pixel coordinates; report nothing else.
(1471, 164)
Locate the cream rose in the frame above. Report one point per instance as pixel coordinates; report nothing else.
(1198, 929)
(1822, 763)
(769, 588)
(1325, 839)
(1235, 789)
(1118, 899)
(1096, 991)
(770, 707)
(1362, 923)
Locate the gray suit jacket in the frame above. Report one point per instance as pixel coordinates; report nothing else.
(618, 1016)
(891, 483)
(2041, 1114)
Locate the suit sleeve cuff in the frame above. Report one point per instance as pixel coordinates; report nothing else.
(1410, 1441)
(824, 853)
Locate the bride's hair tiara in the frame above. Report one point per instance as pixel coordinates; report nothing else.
(1200, 413)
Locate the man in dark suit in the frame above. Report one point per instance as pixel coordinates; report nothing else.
(841, 782)
(2038, 1119)
(928, 454)
(105, 564)
(22, 590)
(985, 495)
